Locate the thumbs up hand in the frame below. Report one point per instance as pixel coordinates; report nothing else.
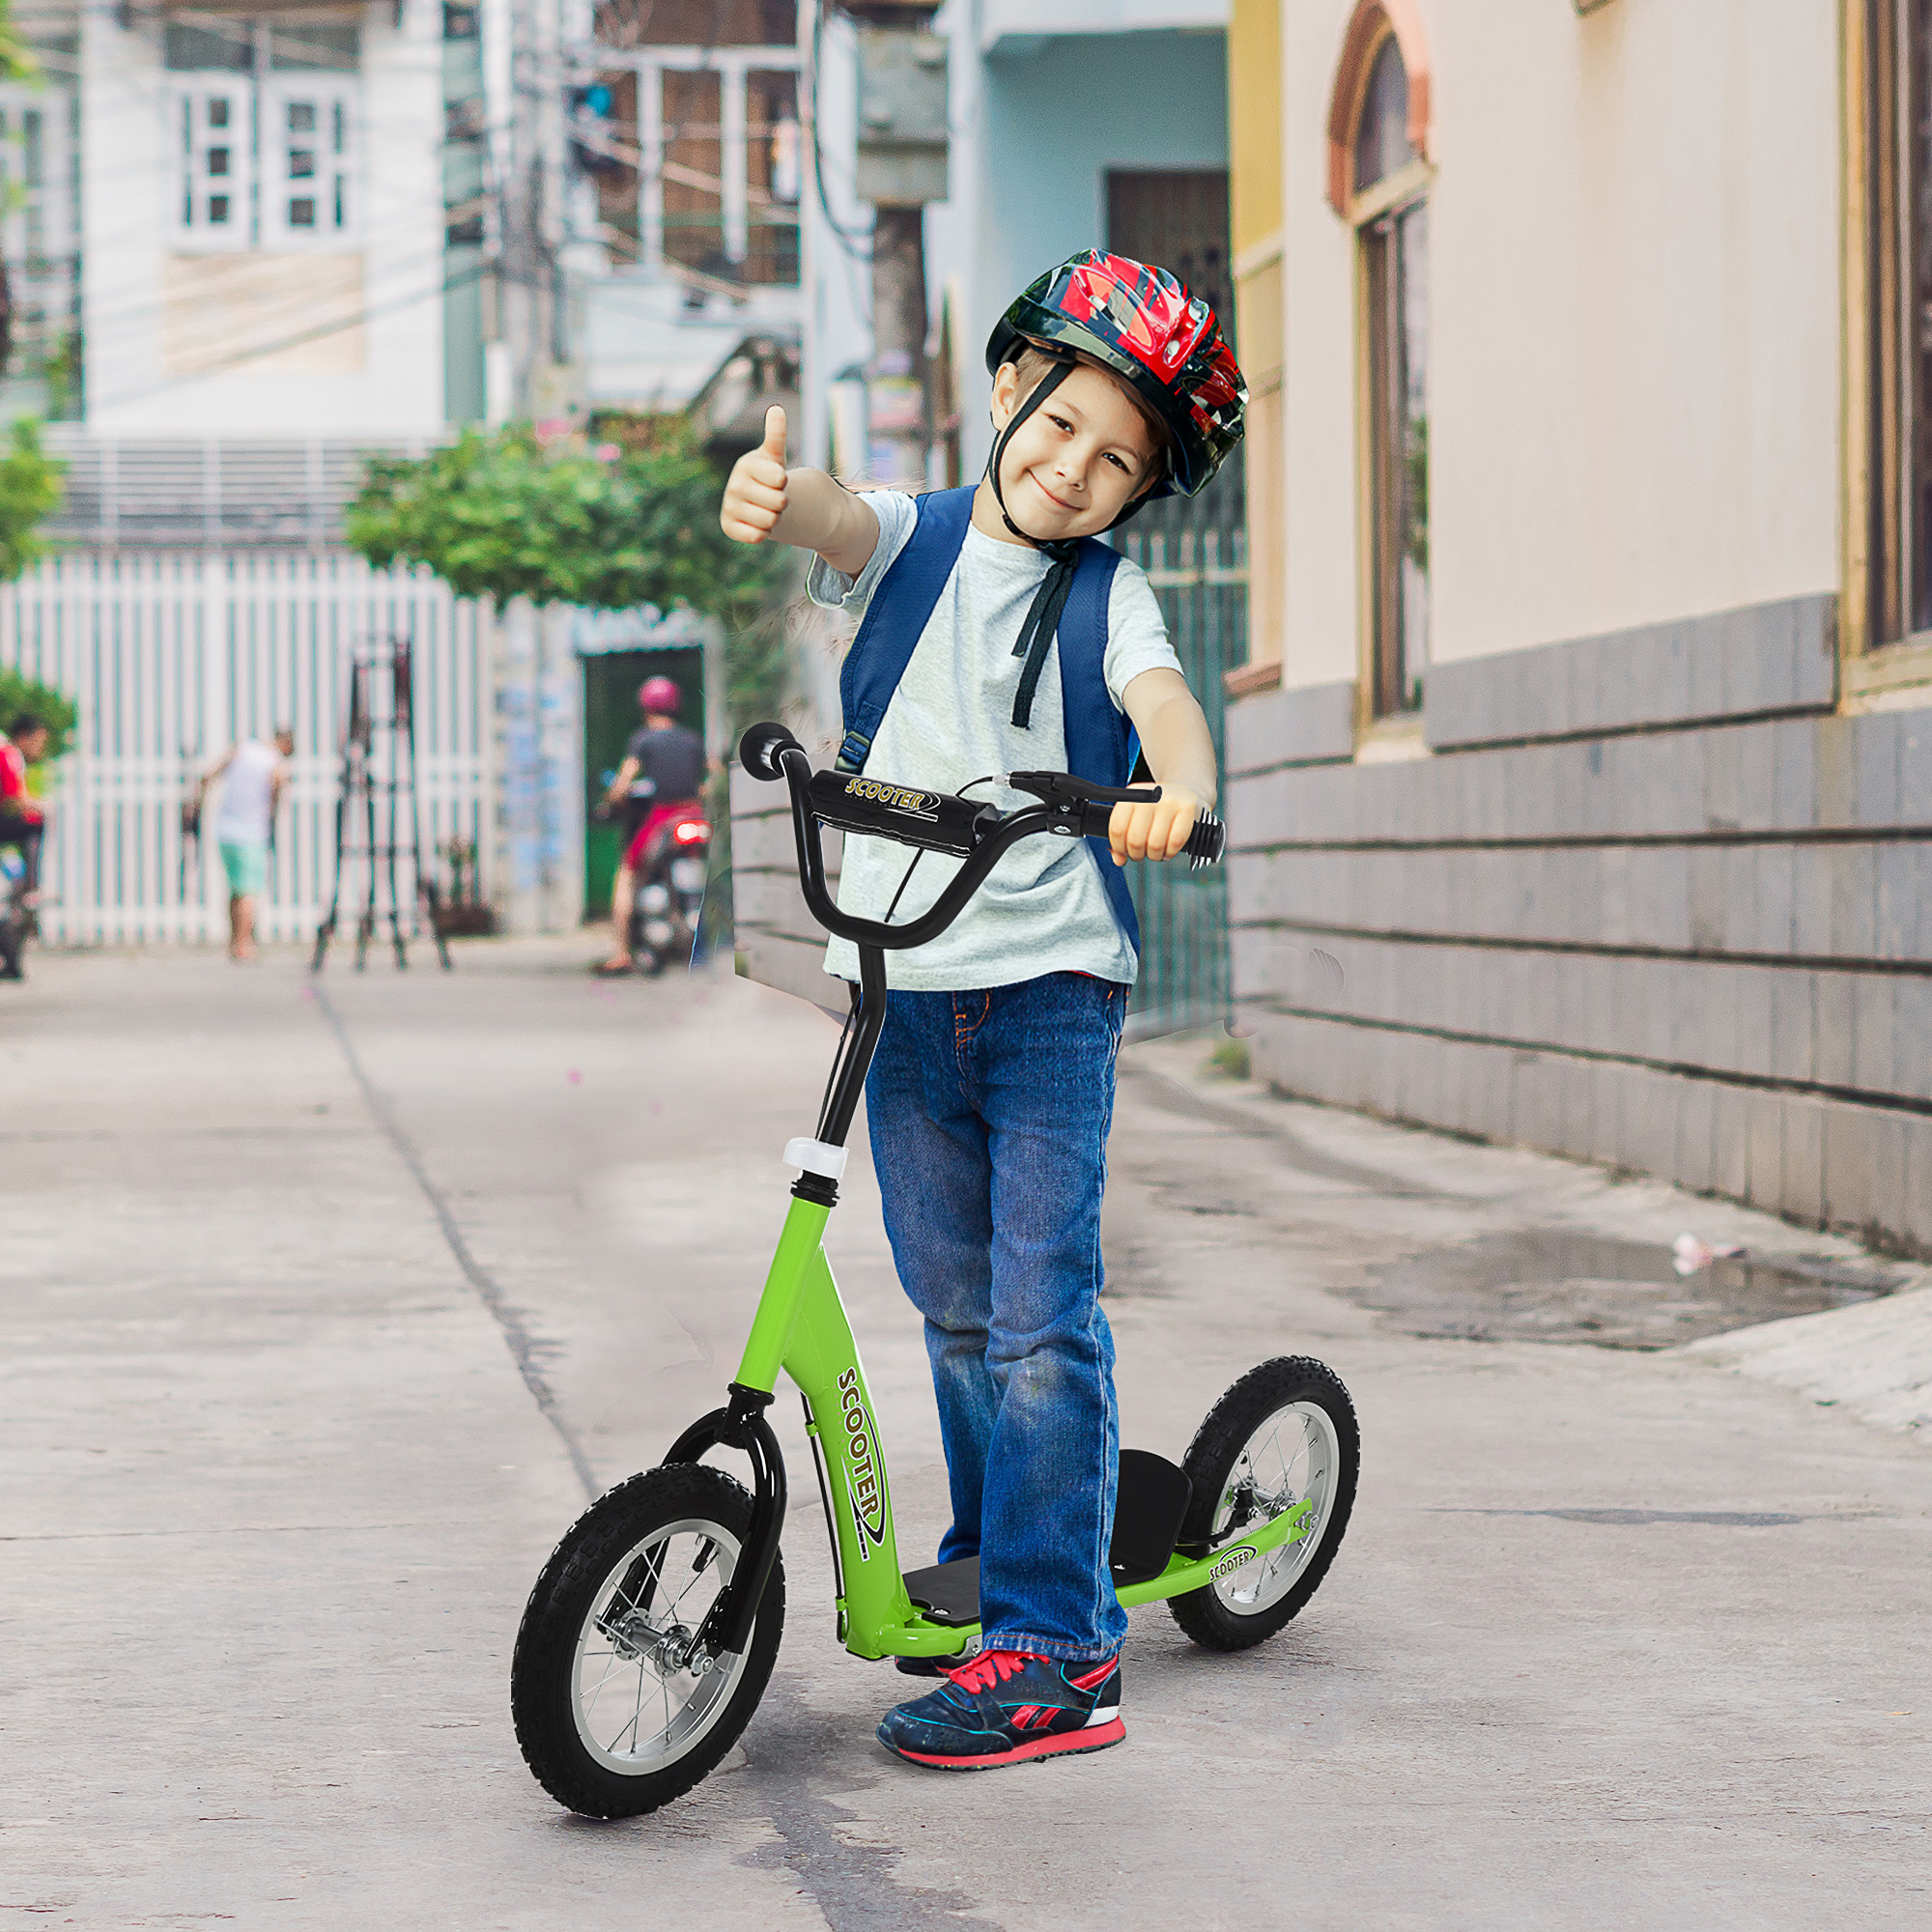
(756, 495)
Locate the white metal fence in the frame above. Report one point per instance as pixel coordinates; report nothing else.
(172, 658)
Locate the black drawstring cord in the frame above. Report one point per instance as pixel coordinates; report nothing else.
(1041, 622)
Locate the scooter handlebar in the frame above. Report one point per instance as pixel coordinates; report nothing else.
(771, 752)
(1205, 844)
(760, 748)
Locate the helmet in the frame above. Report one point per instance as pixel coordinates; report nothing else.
(660, 696)
(1155, 334)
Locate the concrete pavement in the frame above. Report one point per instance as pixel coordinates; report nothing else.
(316, 1307)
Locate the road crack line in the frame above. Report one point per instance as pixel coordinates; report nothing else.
(517, 1337)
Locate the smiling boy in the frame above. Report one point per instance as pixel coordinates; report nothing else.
(991, 1092)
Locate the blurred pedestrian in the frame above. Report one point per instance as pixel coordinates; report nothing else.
(253, 775)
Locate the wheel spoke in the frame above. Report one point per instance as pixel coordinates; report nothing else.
(1296, 1444)
(652, 1600)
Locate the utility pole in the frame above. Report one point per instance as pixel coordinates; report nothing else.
(901, 166)
(534, 190)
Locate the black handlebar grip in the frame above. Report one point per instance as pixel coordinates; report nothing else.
(1207, 841)
(1204, 845)
(760, 748)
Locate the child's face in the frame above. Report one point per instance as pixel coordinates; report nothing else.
(1078, 459)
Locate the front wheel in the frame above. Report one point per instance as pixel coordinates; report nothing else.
(1285, 1434)
(615, 1712)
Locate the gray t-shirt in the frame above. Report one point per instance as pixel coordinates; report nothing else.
(1042, 908)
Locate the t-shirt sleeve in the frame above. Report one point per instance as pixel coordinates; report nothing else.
(1136, 632)
(897, 514)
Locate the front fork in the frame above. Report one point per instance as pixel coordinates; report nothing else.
(801, 1327)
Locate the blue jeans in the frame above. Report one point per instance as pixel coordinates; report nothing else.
(989, 1114)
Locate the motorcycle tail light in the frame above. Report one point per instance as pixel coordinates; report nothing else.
(690, 831)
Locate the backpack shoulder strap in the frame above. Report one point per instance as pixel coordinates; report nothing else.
(896, 618)
(1101, 743)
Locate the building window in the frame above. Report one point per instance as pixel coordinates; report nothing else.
(1898, 321)
(1385, 189)
(264, 115)
(39, 196)
(703, 129)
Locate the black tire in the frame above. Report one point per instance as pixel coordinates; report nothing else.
(1214, 1615)
(597, 1558)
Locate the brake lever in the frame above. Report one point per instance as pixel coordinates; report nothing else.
(1063, 789)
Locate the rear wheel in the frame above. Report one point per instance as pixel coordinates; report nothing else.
(1282, 1435)
(615, 1710)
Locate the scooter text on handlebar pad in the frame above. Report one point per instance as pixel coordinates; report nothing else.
(935, 821)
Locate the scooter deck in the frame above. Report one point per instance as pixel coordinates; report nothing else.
(1150, 1505)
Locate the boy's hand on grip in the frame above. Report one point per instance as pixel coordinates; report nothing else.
(756, 494)
(1153, 831)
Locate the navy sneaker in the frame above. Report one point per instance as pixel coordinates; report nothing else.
(1006, 1706)
(933, 1667)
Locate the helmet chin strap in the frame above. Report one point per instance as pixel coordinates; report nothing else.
(1045, 388)
(1042, 621)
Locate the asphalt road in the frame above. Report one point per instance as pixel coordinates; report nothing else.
(318, 1310)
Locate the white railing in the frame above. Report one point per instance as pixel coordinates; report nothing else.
(171, 658)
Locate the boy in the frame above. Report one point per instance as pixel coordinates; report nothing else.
(992, 1090)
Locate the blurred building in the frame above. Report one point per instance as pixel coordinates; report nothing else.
(684, 228)
(1581, 771)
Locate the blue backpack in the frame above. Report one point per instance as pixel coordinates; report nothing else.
(1101, 746)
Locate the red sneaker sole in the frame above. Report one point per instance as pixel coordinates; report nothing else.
(1068, 1744)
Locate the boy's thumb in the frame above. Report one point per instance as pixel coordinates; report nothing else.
(775, 434)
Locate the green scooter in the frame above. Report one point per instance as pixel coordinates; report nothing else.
(651, 1633)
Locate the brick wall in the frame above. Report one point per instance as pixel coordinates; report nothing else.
(1650, 900)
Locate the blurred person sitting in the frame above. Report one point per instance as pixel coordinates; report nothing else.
(23, 819)
(662, 774)
(253, 776)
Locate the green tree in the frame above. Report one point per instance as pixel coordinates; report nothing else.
(16, 58)
(23, 696)
(29, 487)
(30, 491)
(504, 514)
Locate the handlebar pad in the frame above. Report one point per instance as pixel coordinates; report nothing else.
(760, 748)
(933, 821)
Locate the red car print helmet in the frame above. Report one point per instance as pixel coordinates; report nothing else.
(1156, 336)
(660, 696)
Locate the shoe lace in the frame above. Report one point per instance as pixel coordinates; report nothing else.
(990, 1668)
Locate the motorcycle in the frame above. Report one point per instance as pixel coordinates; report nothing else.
(668, 897)
(17, 921)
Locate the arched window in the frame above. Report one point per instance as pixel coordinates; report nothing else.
(1379, 182)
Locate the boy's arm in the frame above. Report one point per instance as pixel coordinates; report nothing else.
(1180, 753)
(764, 501)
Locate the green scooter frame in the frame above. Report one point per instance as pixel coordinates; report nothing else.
(801, 1327)
(674, 1577)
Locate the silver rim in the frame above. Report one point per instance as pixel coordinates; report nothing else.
(641, 1692)
(1294, 1456)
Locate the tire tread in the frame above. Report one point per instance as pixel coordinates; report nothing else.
(540, 1690)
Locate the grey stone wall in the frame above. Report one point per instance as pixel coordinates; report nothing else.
(778, 942)
(1607, 921)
